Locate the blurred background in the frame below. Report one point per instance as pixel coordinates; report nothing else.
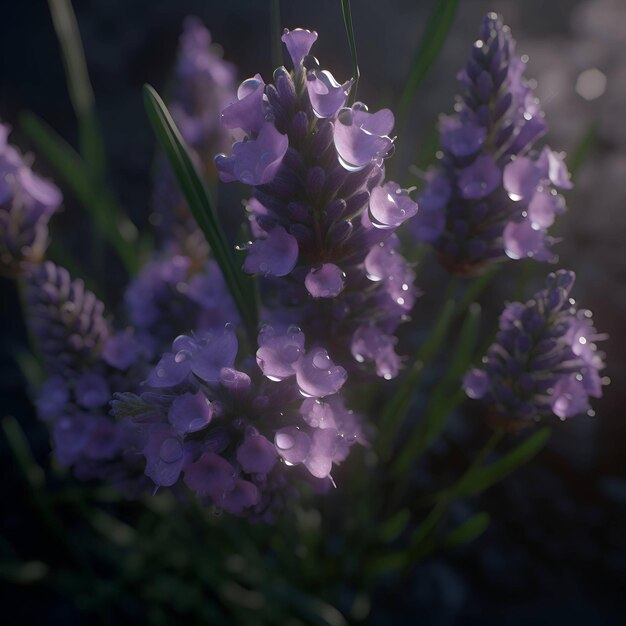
(557, 547)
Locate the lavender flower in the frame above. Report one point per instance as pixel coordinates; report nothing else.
(27, 202)
(86, 361)
(175, 294)
(492, 196)
(320, 207)
(202, 85)
(544, 361)
(232, 435)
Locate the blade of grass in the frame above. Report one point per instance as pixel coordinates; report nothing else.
(356, 72)
(100, 204)
(467, 531)
(79, 86)
(241, 286)
(430, 44)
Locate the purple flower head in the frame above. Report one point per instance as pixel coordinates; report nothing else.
(231, 435)
(544, 361)
(27, 202)
(319, 201)
(492, 196)
(201, 86)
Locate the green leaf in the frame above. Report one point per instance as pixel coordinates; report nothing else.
(240, 285)
(468, 531)
(347, 21)
(23, 573)
(431, 43)
(98, 201)
(482, 478)
(391, 528)
(395, 409)
(79, 86)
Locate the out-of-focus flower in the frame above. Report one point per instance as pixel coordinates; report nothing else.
(27, 202)
(492, 197)
(544, 361)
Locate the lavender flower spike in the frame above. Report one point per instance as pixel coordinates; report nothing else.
(320, 204)
(544, 362)
(27, 202)
(492, 197)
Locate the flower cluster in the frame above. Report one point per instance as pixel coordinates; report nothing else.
(231, 434)
(544, 361)
(202, 85)
(176, 294)
(27, 202)
(491, 196)
(322, 217)
(85, 361)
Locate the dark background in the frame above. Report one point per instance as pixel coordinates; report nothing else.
(559, 551)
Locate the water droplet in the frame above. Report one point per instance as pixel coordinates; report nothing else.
(161, 373)
(400, 301)
(181, 356)
(284, 441)
(171, 450)
(359, 358)
(405, 287)
(321, 360)
(582, 340)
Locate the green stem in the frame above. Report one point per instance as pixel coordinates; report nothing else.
(356, 72)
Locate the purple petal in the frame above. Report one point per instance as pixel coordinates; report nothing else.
(211, 475)
(461, 139)
(190, 412)
(254, 162)
(170, 371)
(325, 281)
(277, 354)
(543, 207)
(41, 191)
(121, 350)
(569, 398)
(520, 178)
(214, 353)
(317, 414)
(238, 383)
(476, 383)
(92, 391)
(327, 96)
(243, 495)
(53, 396)
(390, 205)
(369, 343)
(276, 255)
(557, 170)
(298, 42)
(292, 444)
(522, 240)
(317, 375)
(480, 178)
(247, 112)
(164, 455)
(320, 459)
(361, 137)
(256, 455)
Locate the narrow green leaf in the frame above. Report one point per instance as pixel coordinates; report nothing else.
(431, 43)
(356, 72)
(468, 531)
(482, 478)
(99, 203)
(395, 409)
(23, 573)
(583, 149)
(240, 285)
(393, 527)
(79, 86)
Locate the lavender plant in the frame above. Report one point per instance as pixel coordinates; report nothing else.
(183, 390)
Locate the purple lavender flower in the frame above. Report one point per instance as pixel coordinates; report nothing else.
(233, 435)
(544, 361)
(177, 294)
(27, 202)
(202, 85)
(491, 196)
(86, 361)
(320, 204)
